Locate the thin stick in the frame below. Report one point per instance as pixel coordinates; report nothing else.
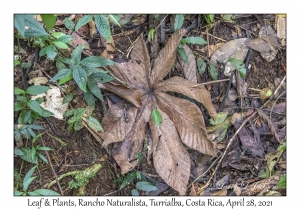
(53, 171)
(211, 82)
(275, 103)
(214, 36)
(234, 136)
(130, 48)
(160, 22)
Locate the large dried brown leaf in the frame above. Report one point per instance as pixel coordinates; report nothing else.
(166, 57)
(188, 121)
(117, 122)
(171, 160)
(185, 87)
(124, 152)
(143, 88)
(130, 94)
(189, 69)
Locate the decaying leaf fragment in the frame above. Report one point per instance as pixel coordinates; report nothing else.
(182, 123)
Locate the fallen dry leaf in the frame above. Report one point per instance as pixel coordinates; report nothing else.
(190, 68)
(232, 49)
(182, 121)
(53, 102)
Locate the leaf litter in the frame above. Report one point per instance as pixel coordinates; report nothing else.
(182, 121)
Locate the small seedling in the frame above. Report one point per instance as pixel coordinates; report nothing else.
(27, 181)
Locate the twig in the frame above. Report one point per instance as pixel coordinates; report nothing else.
(211, 82)
(234, 136)
(43, 70)
(132, 45)
(270, 124)
(160, 22)
(214, 36)
(204, 57)
(226, 93)
(275, 103)
(53, 171)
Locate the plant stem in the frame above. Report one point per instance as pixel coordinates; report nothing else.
(19, 55)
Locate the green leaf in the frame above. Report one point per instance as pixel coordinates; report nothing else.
(282, 182)
(63, 59)
(18, 152)
(78, 125)
(135, 192)
(145, 186)
(21, 117)
(100, 77)
(28, 155)
(66, 79)
(29, 173)
(213, 71)
(46, 192)
(103, 26)
(60, 65)
(128, 178)
(27, 183)
(16, 62)
(36, 138)
(36, 127)
(93, 87)
(51, 52)
(78, 113)
(151, 35)
(18, 106)
(76, 54)
(96, 61)
(42, 51)
(70, 112)
(92, 70)
(179, 19)
(19, 23)
(39, 100)
(83, 20)
(114, 20)
(156, 117)
(33, 194)
(57, 34)
(43, 148)
(42, 157)
(209, 18)
(63, 73)
(89, 98)
(221, 116)
(68, 97)
(60, 45)
(222, 134)
(183, 54)
(27, 118)
(18, 91)
(80, 77)
(37, 89)
(26, 65)
(45, 113)
(22, 99)
(34, 106)
(193, 40)
(64, 38)
(35, 29)
(201, 66)
(17, 193)
(69, 24)
(239, 65)
(49, 21)
(94, 123)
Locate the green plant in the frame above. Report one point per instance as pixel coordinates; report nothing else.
(32, 154)
(30, 109)
(26, 131)
(85, 72)
(101, 22)
(188, 40)
(141, 185)
(80, 114)
(27, 181)
(209, 18)
(239, 65)
(81, 178)
(50, 44)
